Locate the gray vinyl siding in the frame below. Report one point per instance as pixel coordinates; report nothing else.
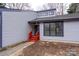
(0, 29)
(15, 27)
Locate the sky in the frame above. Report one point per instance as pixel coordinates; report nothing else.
(37, 6)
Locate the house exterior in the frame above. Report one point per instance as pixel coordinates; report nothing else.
(59, 28)
(15, 26)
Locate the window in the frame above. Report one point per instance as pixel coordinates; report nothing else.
(53, 29)
(46, 29)
(51, 12)
(46, 13)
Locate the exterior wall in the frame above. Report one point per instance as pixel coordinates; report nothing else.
(15, 27)
(48, 13)
(0, 29)
(71, 32)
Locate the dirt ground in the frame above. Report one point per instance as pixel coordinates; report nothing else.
(45, 48)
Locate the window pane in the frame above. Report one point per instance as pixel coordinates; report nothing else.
(52, 13)
(52, 33)
(46, 29)
(52, 29)
(46, 33)
(46, 26)
(59, 29)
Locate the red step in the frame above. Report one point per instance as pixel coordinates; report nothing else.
(33, 38)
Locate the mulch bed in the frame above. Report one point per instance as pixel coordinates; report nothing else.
(45, 48)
